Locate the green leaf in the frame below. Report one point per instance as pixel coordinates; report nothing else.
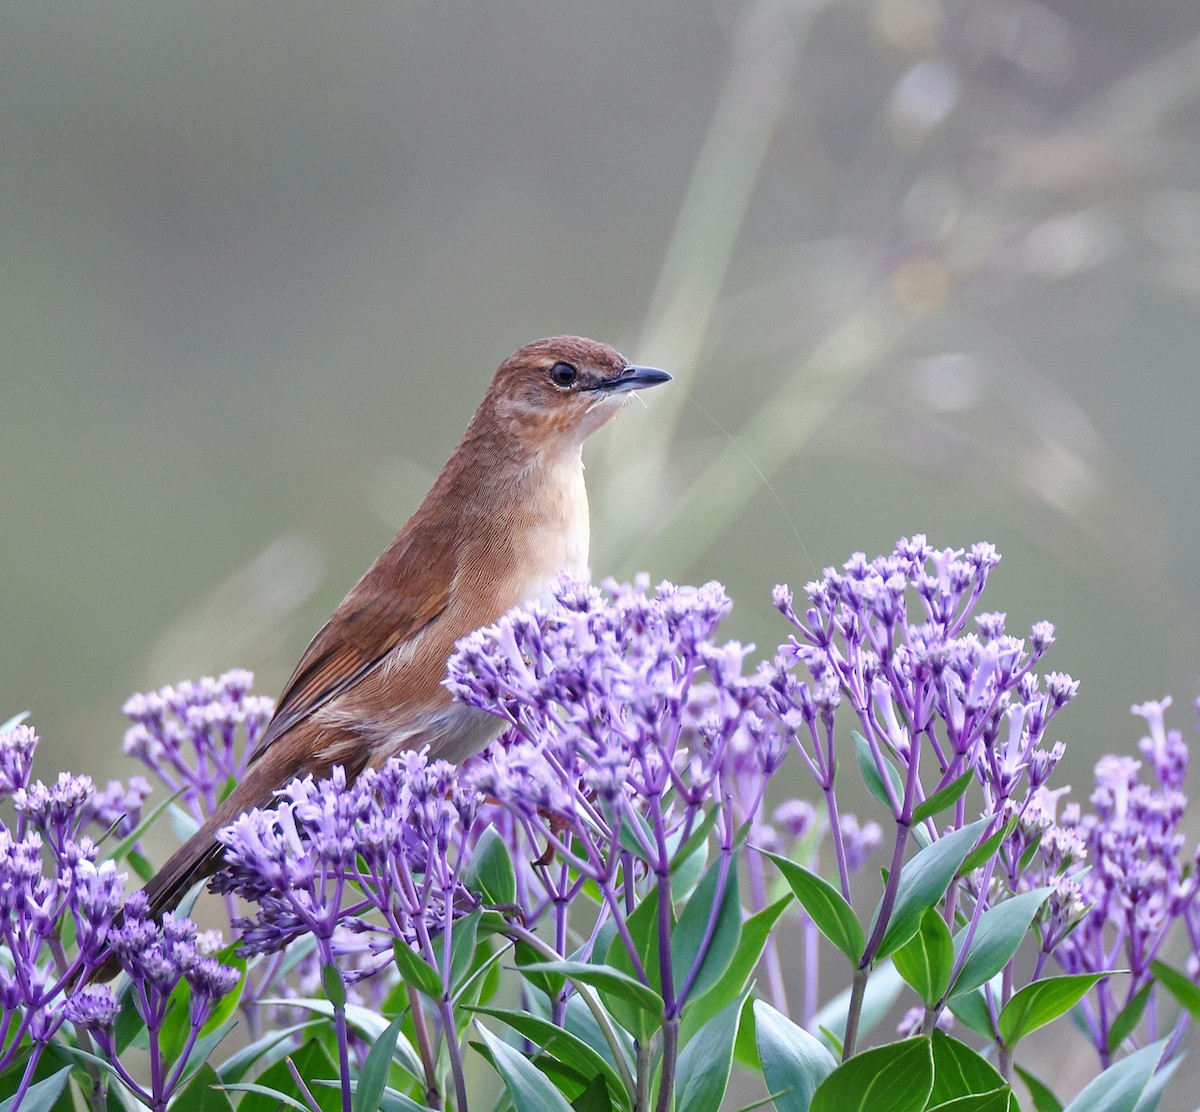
(755, 932)
(695, 840)
(141, 865)
(924, 880)
(273, 1097)
(1029, 853)
(490, 871)
(57, 1052)
(530, 1089)
(203, 1094)
(1179, 986)
(129, 1025)
(594, 1098)
(416, 971)
(177, 1026)
(1044, 1099)
(389, 1101)
(607, 980)
(959, 1071)
(972, 1009)
(582, 1023)
(42, 1095)
(122, 848)
(203, 1049)
(566, 1046)
(628, 839)
(977, 858)
(893, 1078)
(794, 1063)
(463, 940)
(826, 906)
(237, 1065)
(686, 873)
(367, 1023)
(527, 956)
(393, 1101)
(994, 1101)
(707, 1060)
(13, 722)
(940, 800)
(333, 985)
(1129, 1017)
(870, 772)
(374, 1076)
(926, 960)
(1038, 1003)
(276, 1083)
(998, 936)
(1119, 1088)
(882, 989)
(688, 947)
(1152, 1093)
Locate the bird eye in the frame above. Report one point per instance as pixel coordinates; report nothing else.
(563, 374)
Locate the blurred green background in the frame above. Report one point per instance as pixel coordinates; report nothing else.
(916, 265)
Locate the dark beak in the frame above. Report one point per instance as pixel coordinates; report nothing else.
(632, 378)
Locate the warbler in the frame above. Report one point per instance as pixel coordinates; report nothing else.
(508, 512)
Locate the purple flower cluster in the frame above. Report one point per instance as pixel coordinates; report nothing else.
(53, 886)
(198, 736)
(393, 842)
(49, 875)
(628, 722)
(612, 719)
(1140, 882)
(891, 637)
(158, 957)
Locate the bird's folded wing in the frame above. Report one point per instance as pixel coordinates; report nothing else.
(394, 600)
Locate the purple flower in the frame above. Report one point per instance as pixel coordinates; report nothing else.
(859, 841)
(94, 1006)
(17, 747)
(796, 816)
(618, 699)
(198, 736)
(890, 636)
(118, 806)
(628, 722)
(157, 957)
(1140, 881)
(294, 859)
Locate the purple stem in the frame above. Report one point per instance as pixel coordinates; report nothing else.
(710, 929)
(27, 1077)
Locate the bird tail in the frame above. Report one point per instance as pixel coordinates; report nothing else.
(200, 856)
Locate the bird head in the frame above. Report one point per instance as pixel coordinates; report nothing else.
(558, 391)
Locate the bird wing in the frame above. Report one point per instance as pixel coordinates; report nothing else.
(397, 597)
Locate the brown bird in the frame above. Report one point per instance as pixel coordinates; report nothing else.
(507, 513)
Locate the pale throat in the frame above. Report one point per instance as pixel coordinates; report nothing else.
(559, 533)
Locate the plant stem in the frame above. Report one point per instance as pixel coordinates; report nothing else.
(858, 988)
(1004, 1062)
(433, 1096)
(456, 1065)
(645, 1061)
(343, 1040)
(666, 1088)
(588, 995)
(27, 1077)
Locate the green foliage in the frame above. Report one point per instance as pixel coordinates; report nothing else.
(826, 906)
(923, 882)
